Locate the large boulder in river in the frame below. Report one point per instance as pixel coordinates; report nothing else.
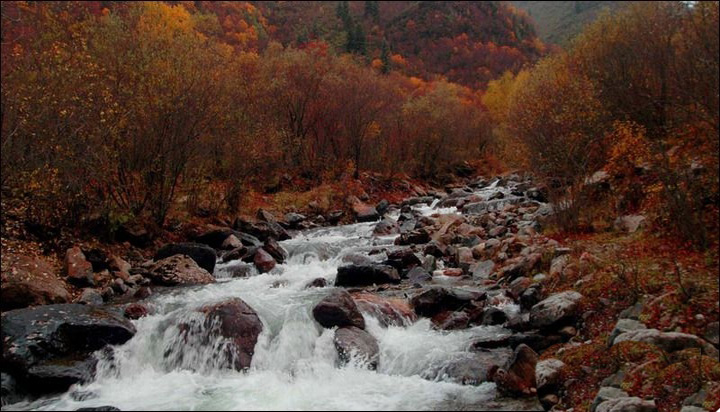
(432, 301)
(202, 254)
(261, 230)
(263, 261)
(355, 344)
(29, 281)
(48, 348)
(234, 320)
(273, 248)
(555, 310)
(178, 270)
(366, 275)
(338, 309)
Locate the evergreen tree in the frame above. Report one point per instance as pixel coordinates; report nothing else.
(372, 10)
(343, 12)
(385, 57)
(359, 39)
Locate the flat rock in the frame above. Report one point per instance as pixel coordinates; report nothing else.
(203, 255)
(668, 341)
(30, 281)
(627, 404)
(555, 310)
(366, 275)
(178, 270)
(432, 301)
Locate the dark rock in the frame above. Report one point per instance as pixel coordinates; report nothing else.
(98, 258)
(415, 237)
(30, 281)
(386, 227)
(354, 344)
(435, 300)
(214, 237)
(435, 248)
(264, 262)
(8, 390)
(294, 219)
(276, 251)
(555, 310)
(137, 232)
(334, 216)
(77, 268)
(178, 270)
(143, 293)
(261, 230)
(535, 340)
(712, 333)
(203, 255)
(238, 322)
(91, 296)
(419, 275)
(518, 286)
(57, 340)
(235, 254)
(98, 408)
(366, 275)
(451, 320)
(530, 297)
(493, 316)
(135, 311)
(403, 259)
(248, 239)
(338, 309)
(240, 270)
(382, 207)
(517, 378)
(265, 216)
(58, 375)
(316, 283)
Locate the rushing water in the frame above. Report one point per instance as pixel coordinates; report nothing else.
(295, 363)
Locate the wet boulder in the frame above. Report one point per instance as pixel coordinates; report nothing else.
(135, 311)
(203, 255)
(316, 283)
(275, 250)
(382, 207)
(294, 220)
(366, 275)
(236, 321)
(517, 377)
(50, 347)
(338, 309)
(471, 368)
(178, 270)
(419, 275)
(235, 254)
(432, 301)
(356, 345)
(555, 310)
(403, 259)
(261, 230)
(79, 271)
(263, 261)
(386, 227)
(30, 281)
(389, 311)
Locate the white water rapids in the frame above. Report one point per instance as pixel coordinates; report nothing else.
(295, 362)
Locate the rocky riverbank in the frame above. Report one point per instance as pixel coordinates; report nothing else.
(468, 257)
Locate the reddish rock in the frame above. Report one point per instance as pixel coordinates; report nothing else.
(233, 319)
(263, 261)
(77, 268)
(30, 281)
(517, 378)
(389, 311)
(135, 311)
(338, 309)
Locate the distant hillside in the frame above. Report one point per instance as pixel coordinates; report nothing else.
(559, 21)
(469, 43)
